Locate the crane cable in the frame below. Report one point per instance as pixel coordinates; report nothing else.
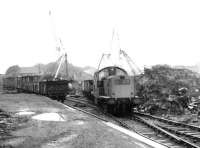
(128, 59)
(59, 46)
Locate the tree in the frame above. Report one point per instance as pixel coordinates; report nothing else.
(13, 70)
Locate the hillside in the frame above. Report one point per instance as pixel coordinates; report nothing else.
(49, 70)
(194, 68)
(89, 70)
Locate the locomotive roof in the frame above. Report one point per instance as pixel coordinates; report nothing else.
(109, 67)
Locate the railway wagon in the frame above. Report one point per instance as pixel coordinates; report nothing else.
(9, 83)
(28, 83)
(55, 89)
(114, 90)
(87, 88)
(35, 84)
(22, 83)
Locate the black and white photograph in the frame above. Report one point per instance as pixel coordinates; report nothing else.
(100, 74)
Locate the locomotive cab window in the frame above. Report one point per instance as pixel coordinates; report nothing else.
(110, 71)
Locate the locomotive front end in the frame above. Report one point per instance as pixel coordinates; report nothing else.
(122, 87)
(120, 90)
(114, 90)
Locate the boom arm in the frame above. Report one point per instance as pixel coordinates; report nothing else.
(60, 48)
(58, 69)
(62, 59)
(102, 57)
(130, 62)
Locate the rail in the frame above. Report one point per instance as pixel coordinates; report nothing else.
(184, 134)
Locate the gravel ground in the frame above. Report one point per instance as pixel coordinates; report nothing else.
(75, 130)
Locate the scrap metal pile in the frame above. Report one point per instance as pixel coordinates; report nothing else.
(168, 90)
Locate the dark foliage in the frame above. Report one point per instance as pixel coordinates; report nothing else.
(161, 81)
(13, 70)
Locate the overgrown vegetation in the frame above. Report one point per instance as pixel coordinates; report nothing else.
(161, 85)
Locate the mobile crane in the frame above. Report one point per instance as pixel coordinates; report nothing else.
(60, 48)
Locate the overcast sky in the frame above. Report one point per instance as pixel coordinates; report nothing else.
(150, 31)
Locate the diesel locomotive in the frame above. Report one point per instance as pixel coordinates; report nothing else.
(112, 89)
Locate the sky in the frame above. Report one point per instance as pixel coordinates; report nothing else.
(151, 32)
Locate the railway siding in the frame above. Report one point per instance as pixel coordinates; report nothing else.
(156, 129)
(186, 135)
(76, 129)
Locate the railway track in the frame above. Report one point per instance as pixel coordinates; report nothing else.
(152, 132)
(151, 127)
(183, 134)
(96, 111)
(141, 124)
(129, 123)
